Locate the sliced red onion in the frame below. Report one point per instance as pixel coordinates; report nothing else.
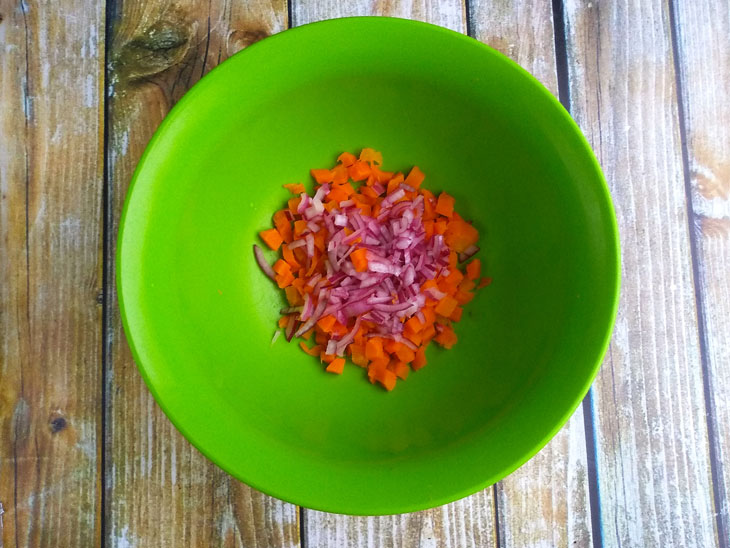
(290, 328)
(263, 263)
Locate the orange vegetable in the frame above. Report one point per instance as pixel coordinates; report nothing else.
(359, 259)
(359, 171)
(322, 176)
(484, 282)
(420, 360)
(347, 159)
(295, 188)
(445, 205)
(415, 177)
(314, 351)
(446, 306)
(371, 156)
(336, 366)
(374, 348)
(459, 235)
(474, 269)
(304, 266)
(272, 238)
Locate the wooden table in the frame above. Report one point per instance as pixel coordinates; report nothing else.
(88, 459)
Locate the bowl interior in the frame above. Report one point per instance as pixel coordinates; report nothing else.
(200, 315)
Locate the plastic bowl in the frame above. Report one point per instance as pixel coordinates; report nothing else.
(199, 315)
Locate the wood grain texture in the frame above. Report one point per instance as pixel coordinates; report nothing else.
(51, 74)
(546, 501)
(652, 439)
(447, 13)
(468, 523)
(159, 490)
(703, 30)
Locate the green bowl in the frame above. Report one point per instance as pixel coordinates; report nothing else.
(199, 314)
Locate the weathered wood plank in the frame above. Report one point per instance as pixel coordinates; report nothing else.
(51, 85)
(652, 440)
(160, 490)
(703, 30)
(545, 502)
(466, 523)
(448, 13)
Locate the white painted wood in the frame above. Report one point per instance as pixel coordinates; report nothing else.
(653, 453)
(704, 59)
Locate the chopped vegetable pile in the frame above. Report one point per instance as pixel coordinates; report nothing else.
(371, 272)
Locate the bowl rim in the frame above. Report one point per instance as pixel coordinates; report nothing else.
(300, 499)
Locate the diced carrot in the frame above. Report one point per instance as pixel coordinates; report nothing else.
(326, 323)
(467, 285)
(474, 269)
(405, 354)
(396, 180)
(429, 314)
(326, 358)
(446, 306)
(358, 355)
(347, 159)
(420, 360)
(460, 235)
(401, 370)
(371, 156)
(293, 204)
(288, 255)
(413, 325)
(374, 348)
(445, 205)
(320, 337)
(284, 280)
(387, 379)
(393, 185)
(455, 276)
(456, 314)
(484, 282)
(415, 177)
(337, 194)
(428, 333)
(339, 174)
(339, 329)
(299, 227)
(314, 351)
(439, 227)
(336, 366)
(382, 176)
(376, 366)
(283, 321)
(281, 267)
(308, 335)
(447, 337)
(322, 176)
(295, 188)
(272, 238)
(359, 171)
(391, 346)
(293, 297)
(359, 259)
(463, 297)
(428, 227)
(415, 338)
(283, 225)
